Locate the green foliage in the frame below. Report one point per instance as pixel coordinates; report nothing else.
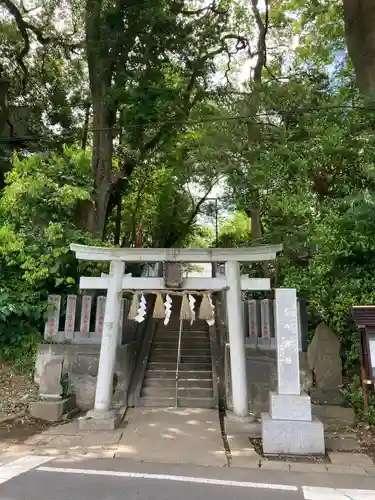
(160, 203)
(37, 210)
(67, 386)
(313, 180)
(201, 237)
(353, 393)
(235, 231)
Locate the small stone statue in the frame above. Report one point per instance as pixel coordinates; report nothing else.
(50, 381)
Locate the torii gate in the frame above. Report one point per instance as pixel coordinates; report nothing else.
(115, 282)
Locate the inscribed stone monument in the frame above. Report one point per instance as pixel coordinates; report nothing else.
(289, 427)
(324, 360)
(323, 356)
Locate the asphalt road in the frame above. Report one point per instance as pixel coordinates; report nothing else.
(110, 479)
(55, 486)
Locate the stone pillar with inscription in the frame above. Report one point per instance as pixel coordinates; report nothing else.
(289, 428)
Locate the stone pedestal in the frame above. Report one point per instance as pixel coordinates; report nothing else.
(52, 410)
(292, 437)
(290, 407)
(289, 428)
(100, 421)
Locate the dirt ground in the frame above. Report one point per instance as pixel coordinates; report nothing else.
(16, 392)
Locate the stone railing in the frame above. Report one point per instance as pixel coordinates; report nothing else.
(260, 324)
(80, 321)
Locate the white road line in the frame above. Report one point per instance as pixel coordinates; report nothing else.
(315, 493)
(165, 477)
(20, 466)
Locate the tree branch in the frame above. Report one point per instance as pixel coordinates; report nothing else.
(261, 46)
(24, 28)
(202, 200)
(212, 8)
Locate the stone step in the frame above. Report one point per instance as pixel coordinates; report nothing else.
(184, 333)
(198, 326)
(333, 414)
(157, 402)
(154, 365)
(182, 402)
(172, 334)
(195, 365)
(187, 392)
(158, 392)
(185, 340)
(186, 349)
(184, 358)
(176, 331)
(189, 340)
(171, 382)
(185, 345)
(196, 392)
(187, 353)
(200, 344)
(183, 375)
(196, 402)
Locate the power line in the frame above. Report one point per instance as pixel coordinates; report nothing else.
(272, 113)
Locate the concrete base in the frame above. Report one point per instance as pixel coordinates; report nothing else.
(53, 410)
(291, 437)
(326, 396)
(334, 415)
(290, 407)
(232, 417)
(100, 421)
(101, 415)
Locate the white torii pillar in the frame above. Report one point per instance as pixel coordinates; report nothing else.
(237, 340)
(108, 347)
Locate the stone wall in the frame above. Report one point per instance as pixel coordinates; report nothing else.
(261, 370)
(81, 364)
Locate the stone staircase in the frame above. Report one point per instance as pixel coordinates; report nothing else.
(195, 382)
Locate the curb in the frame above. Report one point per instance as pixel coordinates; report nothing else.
(324, 468)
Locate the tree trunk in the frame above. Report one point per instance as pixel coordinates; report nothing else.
(359, 17)
(117, 234)
(100, 75)
(256, 225)
(102, 151)
(86, 125)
